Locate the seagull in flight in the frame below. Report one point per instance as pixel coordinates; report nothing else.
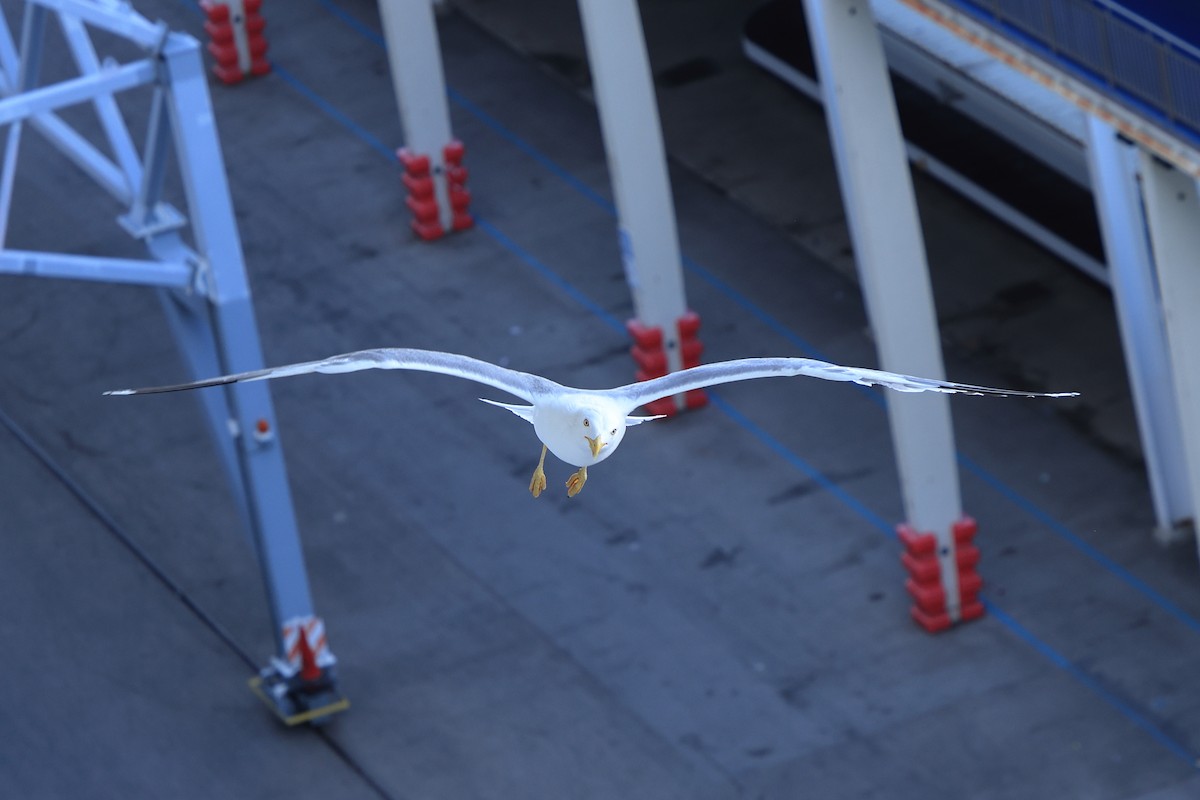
(585, 426)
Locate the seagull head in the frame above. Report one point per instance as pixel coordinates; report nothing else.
(600, 431)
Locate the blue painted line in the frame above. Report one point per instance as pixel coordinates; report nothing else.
(1056, 658)
(818, 477)
(768, 320)
(548, 274)
(353, 22)
(532, 152)
(1080, 544)
(329, 110)
(1131, 713)
(806, 347)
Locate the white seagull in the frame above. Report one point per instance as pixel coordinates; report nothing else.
(585, 426)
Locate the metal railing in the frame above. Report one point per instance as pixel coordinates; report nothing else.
(1106, 45)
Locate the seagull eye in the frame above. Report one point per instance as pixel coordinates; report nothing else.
(586, 424)
(614, 432)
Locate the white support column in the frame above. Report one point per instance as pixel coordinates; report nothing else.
(1113, 168)
(436, 193)
(416, 62)
(624, 94)
(1173, 219)
(878, 194)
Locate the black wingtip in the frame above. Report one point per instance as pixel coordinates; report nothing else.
(178, 387)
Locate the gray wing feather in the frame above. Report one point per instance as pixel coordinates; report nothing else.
(751, 368)
(521, 384)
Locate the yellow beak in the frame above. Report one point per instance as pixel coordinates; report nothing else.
(595, 444)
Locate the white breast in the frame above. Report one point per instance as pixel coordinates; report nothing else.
(557, 424)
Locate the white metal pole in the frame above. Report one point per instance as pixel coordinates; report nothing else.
(1113, 170)
(624, 93)
(1173, 220)
(878, 194)
(416, 63)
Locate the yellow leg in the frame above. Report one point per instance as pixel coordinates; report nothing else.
(537, 484)
(575, 482)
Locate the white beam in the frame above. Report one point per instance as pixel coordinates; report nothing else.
(1173, 219)
(415, 58)
(106, 105)
(76, 90)
(624, 93)
(115, 16)
(1113, 169)
(878, 195)
(177, 275)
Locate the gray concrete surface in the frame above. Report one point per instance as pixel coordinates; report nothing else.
(719, 614)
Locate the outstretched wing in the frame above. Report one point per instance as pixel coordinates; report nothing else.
(521, 384)
(524, 412)
(749, 368)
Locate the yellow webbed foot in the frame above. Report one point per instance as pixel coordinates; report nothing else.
(537, 484)
(575, 482)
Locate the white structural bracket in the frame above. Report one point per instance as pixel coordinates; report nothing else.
(203, 288)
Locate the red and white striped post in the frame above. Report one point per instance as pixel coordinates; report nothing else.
(431, 159)
(236, 40)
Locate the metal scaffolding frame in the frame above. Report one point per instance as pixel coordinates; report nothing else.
(203, 286)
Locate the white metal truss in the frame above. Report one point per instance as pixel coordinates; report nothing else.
(203, 286)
